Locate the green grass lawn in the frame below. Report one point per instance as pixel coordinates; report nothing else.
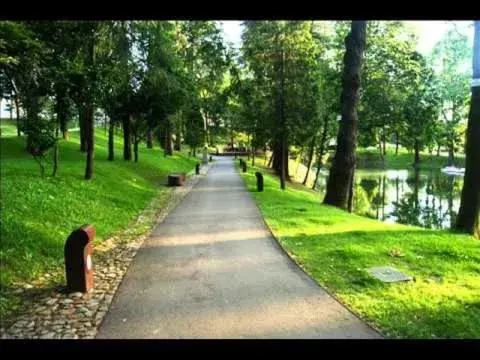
(39, 214)
(7, 128)
(336, 248)
(404, 160)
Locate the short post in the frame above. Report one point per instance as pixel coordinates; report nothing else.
(240, 161)
(244, 165)
(205, 155)
(210, 159)
(78, 259)
(259, 181)
(197, 169)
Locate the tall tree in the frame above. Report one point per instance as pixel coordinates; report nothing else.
(469, 212)
(451, 56)
(340, 180)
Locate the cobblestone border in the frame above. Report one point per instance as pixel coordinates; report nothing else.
(58, 315)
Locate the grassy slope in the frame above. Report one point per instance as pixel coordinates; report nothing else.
(39, 214)
(336, 247)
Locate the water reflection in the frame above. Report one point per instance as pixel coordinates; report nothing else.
(418, 197)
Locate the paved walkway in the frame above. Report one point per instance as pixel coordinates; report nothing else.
(212, 270)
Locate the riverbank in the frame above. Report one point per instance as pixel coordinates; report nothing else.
(39, 214)
(404, 160)
(336, 248)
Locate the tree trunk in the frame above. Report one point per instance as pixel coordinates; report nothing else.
(380, 148)
(105, 123)
(135, 148)
(280, 161)
(340, 178)
(127, 138)
(310, 158)
(64, 127)
(451, 154)
(319, 167)
(82, 124)
(469, 212)
(384, 141)
(415, 191)
(383, 198)
(17, 112)
(351, 192)
(89, 139)
(270, 161)
(417, 153)
(323, 142)
(55, 160)
(62, 113)
(168, 139)
(276, 158)
(150, 139)
(397, 140)
(283, 135)
(89, 111)
(111, 137)
(32, 110)
(11, 110)
(178, 141)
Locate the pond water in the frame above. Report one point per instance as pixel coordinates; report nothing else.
(427, 198)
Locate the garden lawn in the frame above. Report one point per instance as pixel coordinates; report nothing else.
(336, 248)
(39, 214)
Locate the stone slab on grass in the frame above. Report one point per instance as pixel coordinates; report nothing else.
(389, 274)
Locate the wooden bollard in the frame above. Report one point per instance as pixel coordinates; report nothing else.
(210, 159)
(244, 166)
(197, 169)
(259, 181)
(78, 259)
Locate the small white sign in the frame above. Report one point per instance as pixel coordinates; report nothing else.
(89, 263)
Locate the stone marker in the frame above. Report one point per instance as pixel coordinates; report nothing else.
(197, 169)
(388, 274)
(259, 181)
(78, 259)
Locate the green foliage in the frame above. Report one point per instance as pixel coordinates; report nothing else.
(451, 58)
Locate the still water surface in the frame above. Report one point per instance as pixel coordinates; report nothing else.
(427, 198)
